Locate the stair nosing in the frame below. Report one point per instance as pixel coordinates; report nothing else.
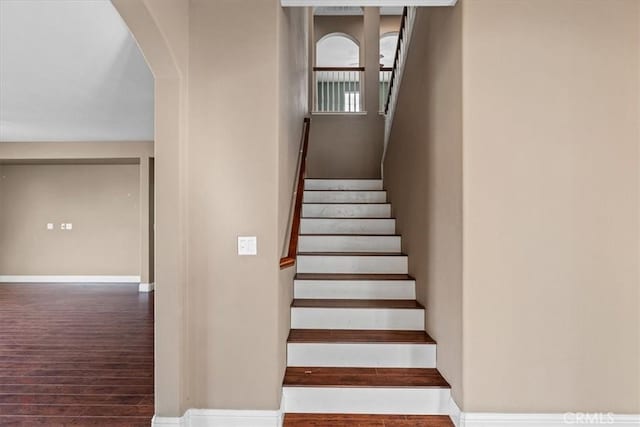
(393, 254)
(369, 340)
(364, 276)
(349, 217)
(345, 304)
(349, 235)
(346, 203)
(354, 372)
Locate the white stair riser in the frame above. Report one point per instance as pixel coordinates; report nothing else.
(345, 197)
(355, 264)
(366, 355)
(357, 318)
(355, 289)
(346, 210)
(346, 243)
(364, 400)
(343, 184)
(347, 226)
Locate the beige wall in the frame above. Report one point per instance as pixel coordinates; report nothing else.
(550, 200)
(345, 146)
(76, 150)
(293, 33)
(551, 206)
(220, 91)
(161, 28)
(100, 200)
(233, 158)
(389, 24)
(423, 174)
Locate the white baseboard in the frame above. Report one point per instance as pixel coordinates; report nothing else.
(454, 412)
(146, 287)
(547, 420)
(236, 418)
(486, 419)
(221, 418)
(68, 279)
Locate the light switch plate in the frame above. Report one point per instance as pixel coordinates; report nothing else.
(247, 245)
(69, 226)
(49, 226)
(63, 226)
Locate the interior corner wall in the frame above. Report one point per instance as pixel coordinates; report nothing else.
(551, 192)
(233, 182)
(350, 145)
(100, 200)
(423, 175)
(293, 54)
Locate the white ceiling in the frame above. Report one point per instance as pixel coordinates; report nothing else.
(70, 71)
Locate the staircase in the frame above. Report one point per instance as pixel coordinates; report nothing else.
(358, 353)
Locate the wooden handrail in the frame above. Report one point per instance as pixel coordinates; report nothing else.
(290, 259)
(403, 24)
(386, 68)
(338, 68)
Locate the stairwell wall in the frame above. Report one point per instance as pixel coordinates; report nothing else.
(293, 36)
(551, 285)
(227, 128)
(544, 156)
(423, 175)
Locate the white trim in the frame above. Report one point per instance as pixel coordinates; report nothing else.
(146, 287)
(221, 418)
(366, 400)
(381, 3)
(68, 279)
(157, 421)
(364, 355)
(454, 412)
(339, 113)
(480, 419)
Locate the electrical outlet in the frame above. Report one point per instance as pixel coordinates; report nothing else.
(247, 245)
(63, 226)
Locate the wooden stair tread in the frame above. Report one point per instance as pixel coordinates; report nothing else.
(358, 336)
(364, 377)
(350, 235)
(365, 420)
(342, 276)
(351, 253)
(356, 303)
(346, 203)
(377, 218)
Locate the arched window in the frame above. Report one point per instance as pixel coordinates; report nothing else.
(388, 42)
(337, 50)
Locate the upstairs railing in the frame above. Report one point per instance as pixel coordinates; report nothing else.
(398, 59)
(402, 48)
(385, 83)
(338, 89)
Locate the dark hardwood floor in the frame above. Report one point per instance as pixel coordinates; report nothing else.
(75, 355)
(352, 420)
